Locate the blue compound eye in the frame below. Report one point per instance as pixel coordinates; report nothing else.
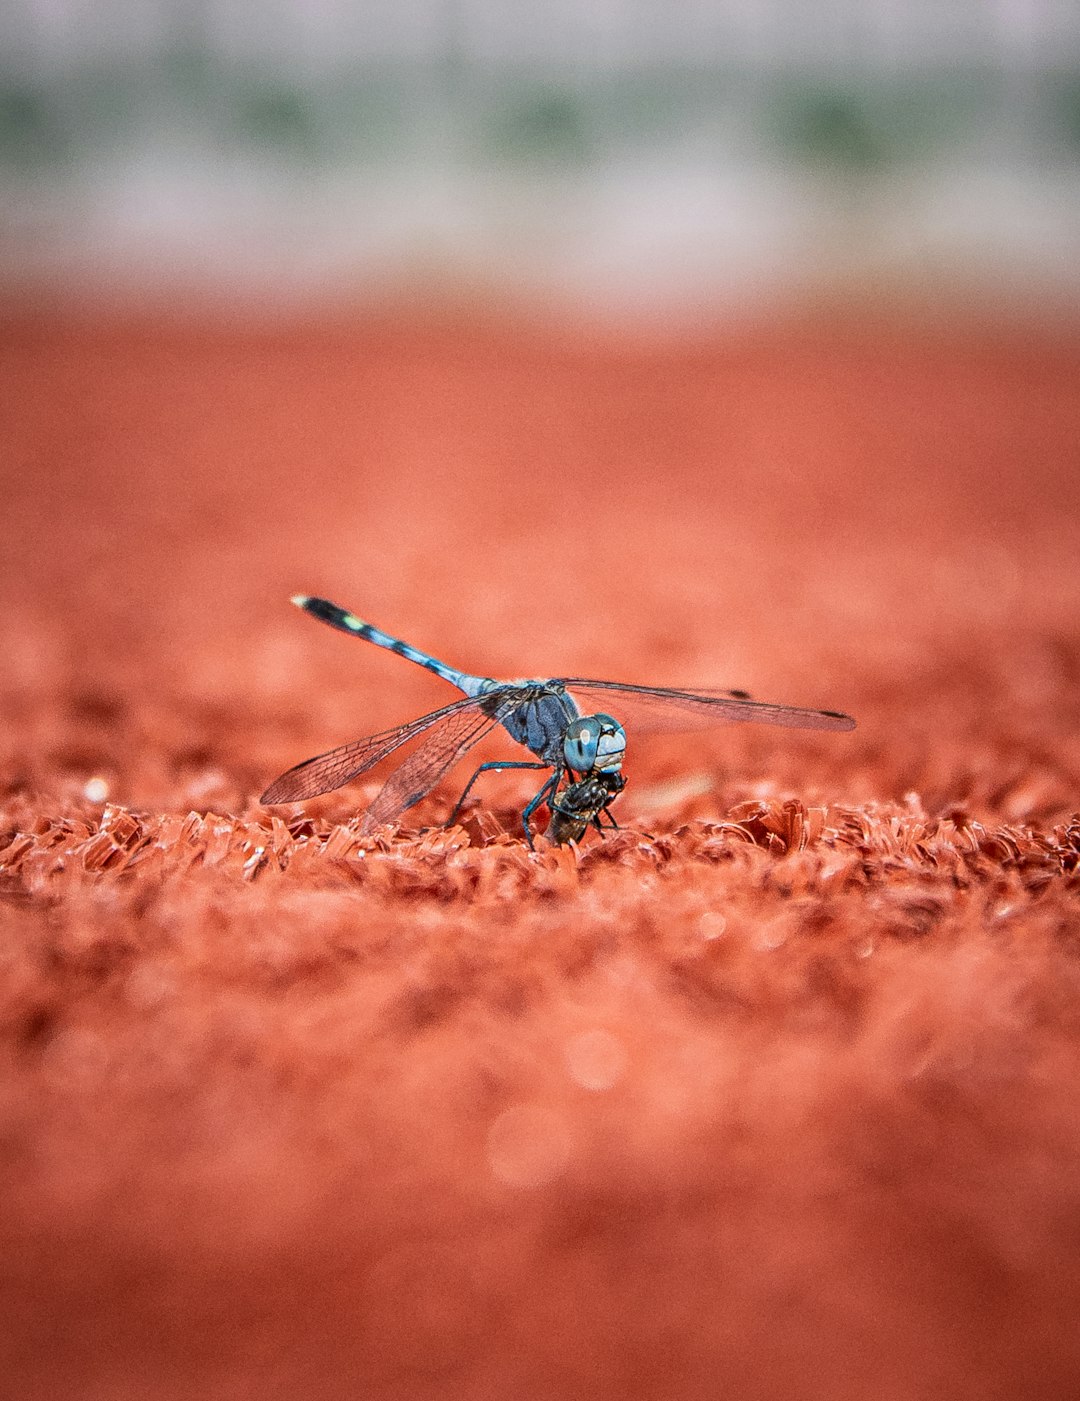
(595, 743)
(579, 744)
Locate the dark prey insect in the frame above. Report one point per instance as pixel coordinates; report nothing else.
(582, 803)
(542, 715)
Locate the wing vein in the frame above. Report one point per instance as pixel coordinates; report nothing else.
(339, 766)
(714, 708)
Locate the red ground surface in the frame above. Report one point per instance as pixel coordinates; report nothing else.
(780, 1103)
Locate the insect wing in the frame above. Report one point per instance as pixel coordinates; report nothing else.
(436, 754)
(662, 708)
(339, 766)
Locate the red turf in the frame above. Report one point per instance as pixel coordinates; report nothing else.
(777, 1101)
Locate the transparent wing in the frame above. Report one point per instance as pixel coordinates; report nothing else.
(434, 756)
(658, 708)
(340, 766)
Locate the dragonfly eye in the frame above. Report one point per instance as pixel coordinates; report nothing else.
(595, 743)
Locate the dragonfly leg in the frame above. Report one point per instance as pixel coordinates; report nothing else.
(606, 812)
(495, 764)
(545, 793)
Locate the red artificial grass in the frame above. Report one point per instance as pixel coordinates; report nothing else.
(771, 1094)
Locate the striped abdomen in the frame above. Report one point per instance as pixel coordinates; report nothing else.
(339, 618)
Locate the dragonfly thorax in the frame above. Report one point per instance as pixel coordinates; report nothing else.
(594, 744)
(535, 713)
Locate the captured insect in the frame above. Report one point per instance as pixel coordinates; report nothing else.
(542, 715)
(582, 803)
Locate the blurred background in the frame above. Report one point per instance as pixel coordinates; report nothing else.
(616, 153)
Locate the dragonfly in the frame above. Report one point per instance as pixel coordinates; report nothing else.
(582, 746)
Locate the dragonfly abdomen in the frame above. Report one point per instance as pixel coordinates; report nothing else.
(339, 618)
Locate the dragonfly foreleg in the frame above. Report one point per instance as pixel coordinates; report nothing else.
(543, 796)
(494, 764)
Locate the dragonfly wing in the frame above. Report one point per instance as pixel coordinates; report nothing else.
(433, 757)
(340, 766)
(659, 708)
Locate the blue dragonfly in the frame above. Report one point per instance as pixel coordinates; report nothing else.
(543, 715)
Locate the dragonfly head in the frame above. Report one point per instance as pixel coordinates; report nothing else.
(594, 744)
